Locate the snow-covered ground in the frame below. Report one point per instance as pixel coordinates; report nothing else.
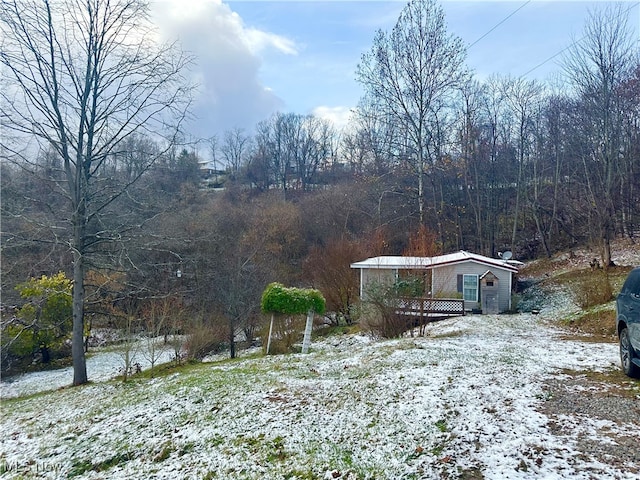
(462, 402)
(102, 364)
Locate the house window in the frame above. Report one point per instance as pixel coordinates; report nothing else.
(470, 288)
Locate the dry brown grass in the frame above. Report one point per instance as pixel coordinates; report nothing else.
(601, 325)
(611, 382)
(287, 332)
(593, 289)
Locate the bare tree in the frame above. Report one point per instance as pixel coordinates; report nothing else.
(371, 146)
(596, 66)
(314, 148)
(547, 183)
(234, 148)
(129, 346)
(329, 270)
(84, 77)
(492, 142)
(523, 97)
(132, 157)
(157, 322)
(410, 75)
(472, 96)
(630, 167)
(290, 148)
(272, 150)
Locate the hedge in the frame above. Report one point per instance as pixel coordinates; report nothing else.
(277, 298)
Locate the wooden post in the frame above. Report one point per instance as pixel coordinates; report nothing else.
(270, 330)
(307, 332)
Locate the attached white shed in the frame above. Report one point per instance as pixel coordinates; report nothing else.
(456, 275)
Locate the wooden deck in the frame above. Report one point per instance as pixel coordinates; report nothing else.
(430, 308)
(418, 312)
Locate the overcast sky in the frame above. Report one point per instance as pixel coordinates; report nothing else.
(257, 57)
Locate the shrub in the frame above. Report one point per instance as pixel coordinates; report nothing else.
(287, 331)
(593, 290)
(381, 319)
(288, 302)
(329, 268)
(384, 323)
(457, 295)
(412, 286)
(277, 298)
(41, 326)
(204, 338)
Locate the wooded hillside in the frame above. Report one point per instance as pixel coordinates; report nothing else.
(439, 164)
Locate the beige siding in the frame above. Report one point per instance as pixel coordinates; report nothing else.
(445, 280)
(375, 276)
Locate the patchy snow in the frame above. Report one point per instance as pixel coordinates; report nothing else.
(461, 402)
(102, 364)
(624, 252)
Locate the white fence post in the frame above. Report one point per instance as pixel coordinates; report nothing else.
(270, 330)
(306, 341)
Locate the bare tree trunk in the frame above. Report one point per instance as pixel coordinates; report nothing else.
(421, 191)
(232, 338)
(77, 341)
(516, 212)
(85, 76)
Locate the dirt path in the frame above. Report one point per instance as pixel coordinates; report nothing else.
(599, 413)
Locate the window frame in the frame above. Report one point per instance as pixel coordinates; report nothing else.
(476, 288)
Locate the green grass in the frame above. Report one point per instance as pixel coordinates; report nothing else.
(336, 330)
(81, 467)
(233, 408)
(442, 425)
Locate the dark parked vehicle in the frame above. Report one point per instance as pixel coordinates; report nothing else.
(628, 324)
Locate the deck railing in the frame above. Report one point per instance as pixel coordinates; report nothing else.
(430, 307)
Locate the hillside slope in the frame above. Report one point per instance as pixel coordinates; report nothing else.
(479, 397)
(472, 399)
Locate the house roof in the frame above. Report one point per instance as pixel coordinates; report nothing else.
(418, 263)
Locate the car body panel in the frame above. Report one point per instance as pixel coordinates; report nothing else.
(628, 312)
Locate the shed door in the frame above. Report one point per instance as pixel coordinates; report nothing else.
(490, 302)
(489, 290)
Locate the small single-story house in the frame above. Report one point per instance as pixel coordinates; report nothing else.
(484, 283)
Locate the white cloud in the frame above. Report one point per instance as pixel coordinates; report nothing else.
(258, 41)
(227, 62)
(339, 116)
